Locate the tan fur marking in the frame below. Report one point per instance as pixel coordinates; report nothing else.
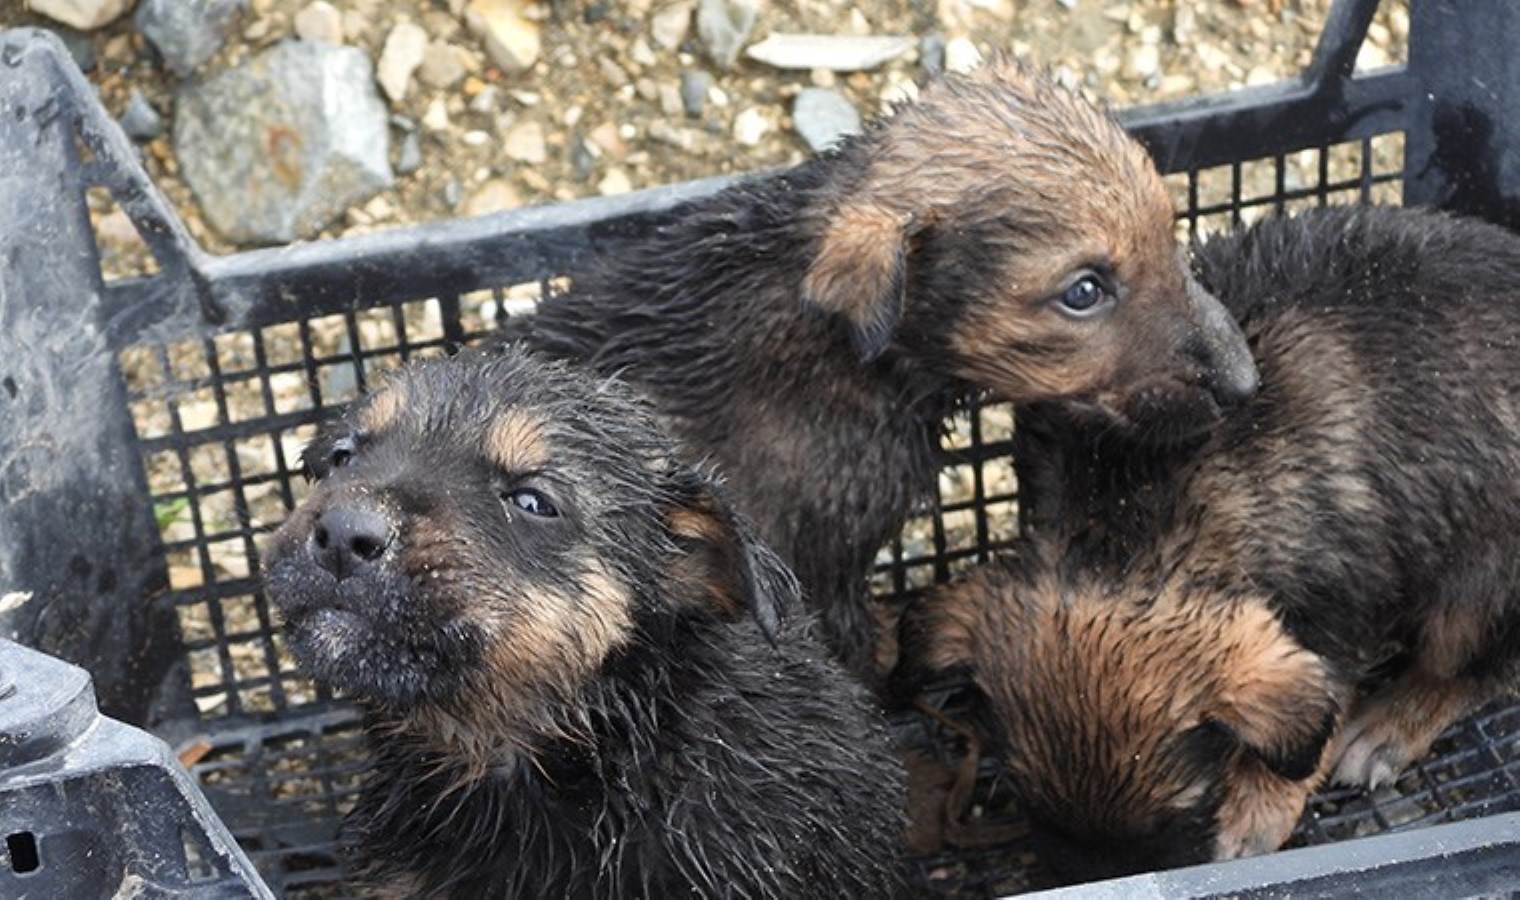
(516, 442)
(382, 409)
(1260, 808)
(857, 261)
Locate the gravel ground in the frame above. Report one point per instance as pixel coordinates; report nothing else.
(599, 112)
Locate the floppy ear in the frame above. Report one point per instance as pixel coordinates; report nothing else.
(860, 273)
(1276, 698)
(723, 566)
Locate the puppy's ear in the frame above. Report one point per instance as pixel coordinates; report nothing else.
(1276, 698)
(723, 567)
(860, 273)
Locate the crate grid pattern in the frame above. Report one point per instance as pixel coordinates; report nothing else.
(221, 423)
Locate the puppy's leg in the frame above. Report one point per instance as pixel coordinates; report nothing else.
(1396, 725)
(1466, 657)
(1261, 808)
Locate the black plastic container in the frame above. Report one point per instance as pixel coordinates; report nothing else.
(150, 426)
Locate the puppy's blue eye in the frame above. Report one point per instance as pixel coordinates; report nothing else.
(1083, 296)
(531, 502)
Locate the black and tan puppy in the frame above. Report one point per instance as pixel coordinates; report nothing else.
(584, 677)
(809, 332)
(1191, 627)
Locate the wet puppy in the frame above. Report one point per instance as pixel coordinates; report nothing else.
(809, 332)
(584, 677)
(1191, 626)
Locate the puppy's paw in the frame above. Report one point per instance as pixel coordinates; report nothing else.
(1374, 750)
(1259, 813)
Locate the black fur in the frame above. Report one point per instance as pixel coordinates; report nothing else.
(619, 700)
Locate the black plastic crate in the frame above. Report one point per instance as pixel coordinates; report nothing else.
(153, 424)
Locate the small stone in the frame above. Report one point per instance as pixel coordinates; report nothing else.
(931, 53)
(670, 25)
(409, 158)
(186, 34)
(750, 126)
(961, 55)
(582, 159)
(285, 142)
(595, 12)
(607, 138)
(493, 196)
(116, 232)
(612, 71)
(85, 15)
(443, 65)
(823, 117)
(436, 117)
(614, 182)
(404, 49)
(486, 100)
(80, 46)
(573, 115)
(1068, 4)
(475, 138)
(379, 209)
(257, 31)
(452, 192)
(822, 78)
(669, 135)
(525, 143)
(670, 100)
(640, 53)
(511, 37)
(319, 21)
(900, 88)
(1144, 61)
(647, 89)
(838, 53)
(724, 26)
(694, 86)
(139, 119)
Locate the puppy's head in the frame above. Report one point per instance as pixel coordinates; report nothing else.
(1010, 233)
(1141, 732)
(486, 531)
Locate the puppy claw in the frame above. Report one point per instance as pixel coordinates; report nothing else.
(1371, 760)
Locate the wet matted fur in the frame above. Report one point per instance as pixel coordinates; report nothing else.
(584, 676)
(1169, 662)
(809, 332)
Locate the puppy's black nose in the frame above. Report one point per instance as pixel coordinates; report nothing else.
(1234, 383)
(349, 537)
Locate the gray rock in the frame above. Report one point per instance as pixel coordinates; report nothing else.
(724, 26)
(582, 160)
(409, 158)
(140, 120)
(282, 144)
(931, 53)
(823, 117)
(80, 46)
(668, 27)
(694, 87)
(186, 33)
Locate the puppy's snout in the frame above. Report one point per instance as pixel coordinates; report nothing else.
(1223, 353)
(349, 537)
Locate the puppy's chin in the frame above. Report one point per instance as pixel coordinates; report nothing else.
(1160, 414)
(348, 637)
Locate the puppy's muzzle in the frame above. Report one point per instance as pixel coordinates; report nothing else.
(350, 538)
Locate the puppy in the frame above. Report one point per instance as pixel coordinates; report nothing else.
(1191, 625)
(810, 332)
(584, 676)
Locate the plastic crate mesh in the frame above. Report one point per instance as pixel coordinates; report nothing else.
(221, 423)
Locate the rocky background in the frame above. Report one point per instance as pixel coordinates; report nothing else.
(267, 121)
